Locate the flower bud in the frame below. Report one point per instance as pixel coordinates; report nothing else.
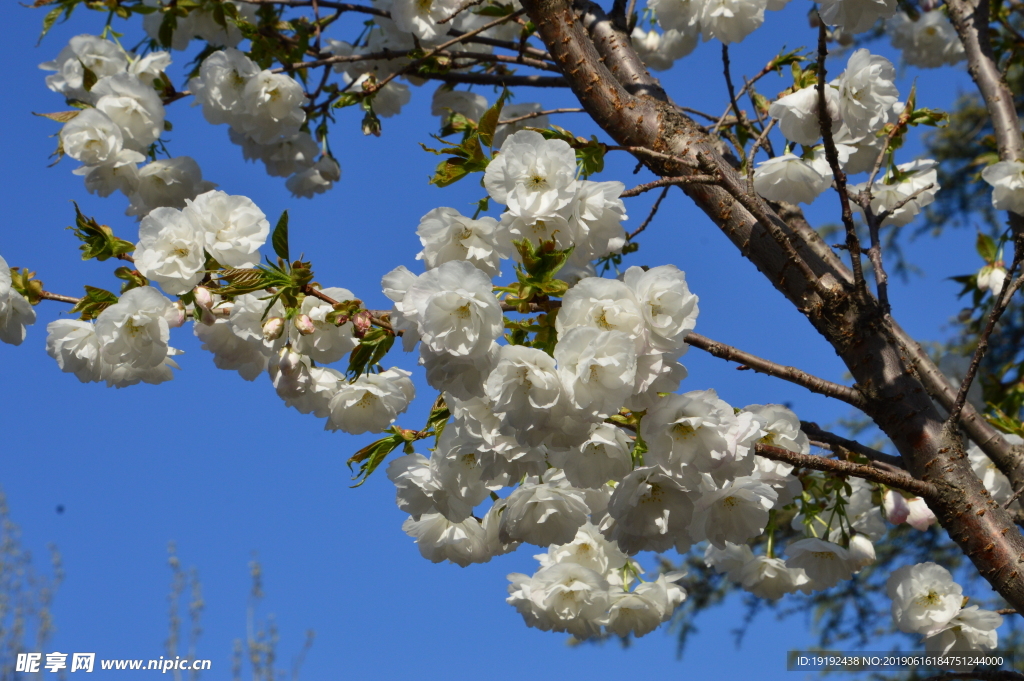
(304, 324)
(290, 361)
(862, 551)
(273, 328)
(176, 317)
(895, 506)
(204, 298)
(361, 323)
(920, 516)
(328, 168)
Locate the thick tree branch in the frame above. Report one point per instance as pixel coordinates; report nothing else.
(970, 19)
(608, 78)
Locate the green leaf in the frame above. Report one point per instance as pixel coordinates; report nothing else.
(98, 241)
(987, 248)
(167, 26)
(280, 237)
(95, 301)
(24, 282)
(88, 77)
(450, 171)
(372, 455)
(372, 348)
(489, 121)
(132, 278)
(438, 419)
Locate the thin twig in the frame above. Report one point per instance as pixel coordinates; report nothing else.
(46, 295)
(1001, 302)
(753, 151)
(753, 205)
(825, 122)
(536, 114)
(644, 151)
(650, 216)
(669, 181)
(844, 393)
(728, 83)
(445, 45)
(342, 6)
(815, 432)
(462, 8)
(898, 480)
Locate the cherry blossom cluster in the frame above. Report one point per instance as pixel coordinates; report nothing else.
(15, 311)
(265, 114)
(860, 102)
(926, 601)
(121, 118)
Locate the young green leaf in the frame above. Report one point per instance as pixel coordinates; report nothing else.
(280, 237)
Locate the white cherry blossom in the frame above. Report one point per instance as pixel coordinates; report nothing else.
(371, 403)
(170, 250)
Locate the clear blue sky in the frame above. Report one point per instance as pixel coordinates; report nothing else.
(222, 468)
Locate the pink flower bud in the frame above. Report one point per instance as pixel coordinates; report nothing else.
(920, 517)
(177, 315)
(304, 324)
(273, 328)
(204, 298)
(361, 323)
(896, 508)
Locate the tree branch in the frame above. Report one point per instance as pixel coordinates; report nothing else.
(670, 181)
(650, 216)
(838, 444)
(46, 295)
(825, 121)
(610, 82)
(536, 114)
(817, 385)
(898, 480)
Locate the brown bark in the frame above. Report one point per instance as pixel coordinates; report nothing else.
(615, 88)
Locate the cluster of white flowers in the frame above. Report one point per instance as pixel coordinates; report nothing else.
(264, 111)
(817, 562)
(994, 480)
(15, 311)
(685, 21)
(174, 244)
(127, 344)
(929, 42)
(199, 23)
(536, 179)
(123, 118)
(926, 601)
(860, 103)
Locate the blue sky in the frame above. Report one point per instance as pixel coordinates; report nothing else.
(222, 468)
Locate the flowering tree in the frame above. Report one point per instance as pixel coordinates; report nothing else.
(559, 419)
